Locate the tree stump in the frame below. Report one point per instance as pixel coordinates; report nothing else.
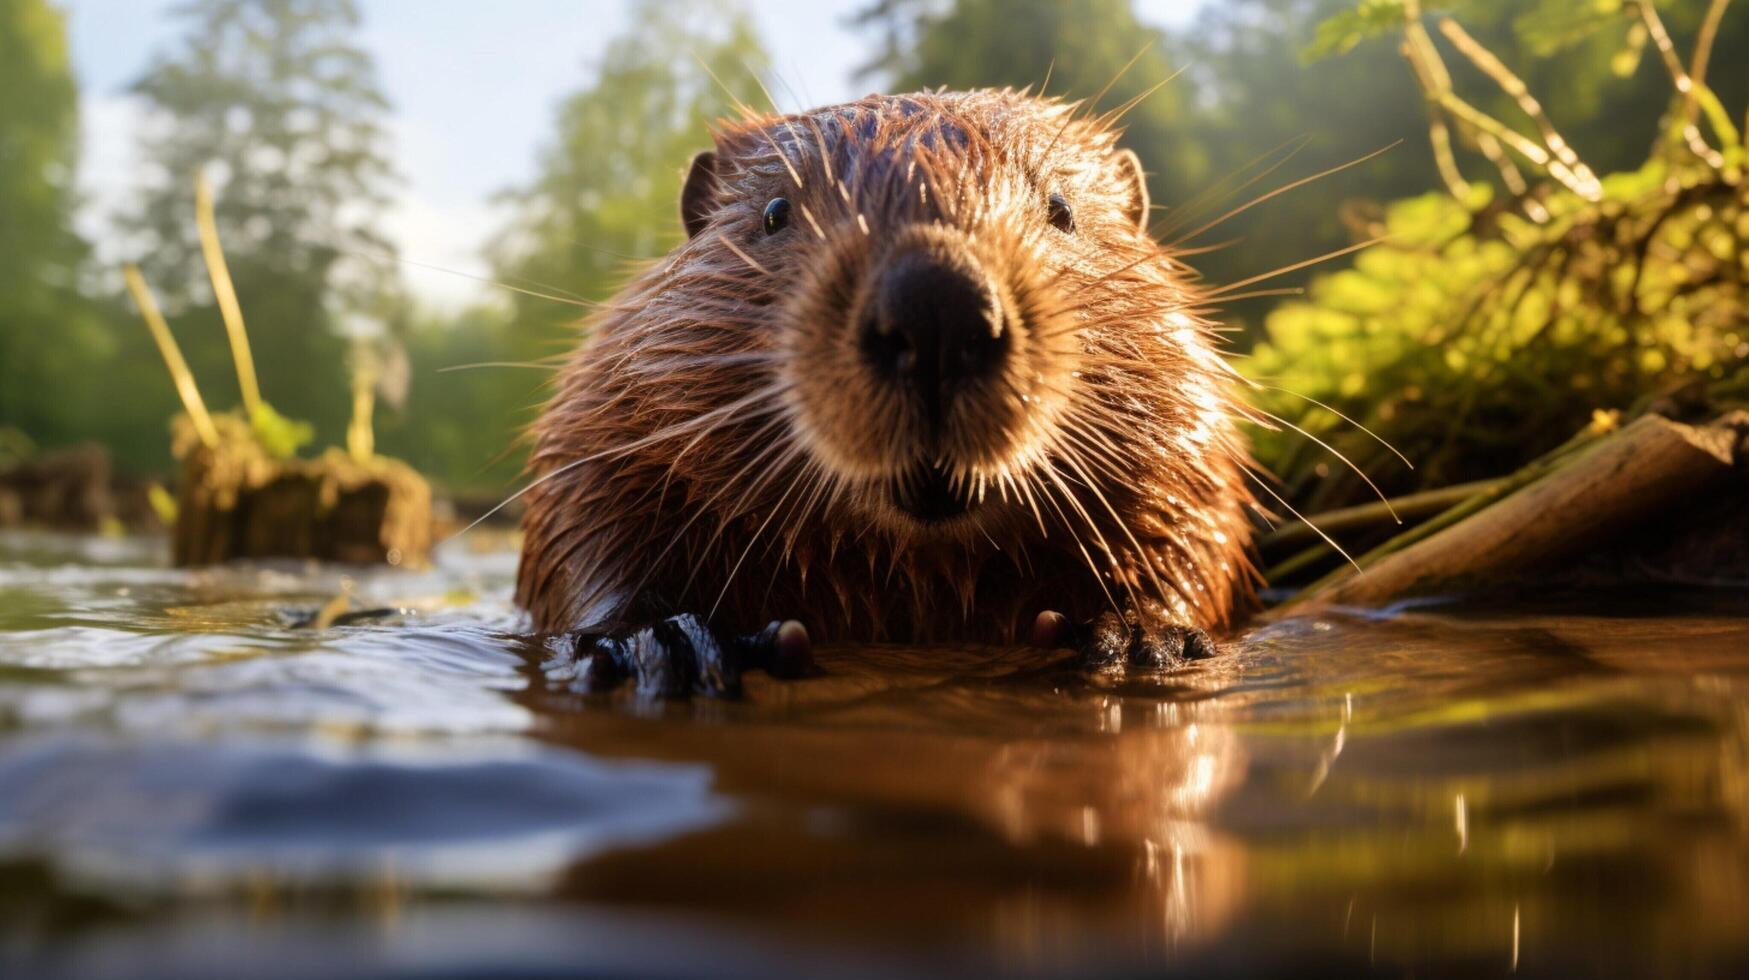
(237, 501)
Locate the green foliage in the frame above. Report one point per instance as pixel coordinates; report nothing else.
(1080, 46)
(465, 406)
(1254, 93)
(1341, 32)
(15, 446)
(1544, 27)
(607, 194)
(608, 188)
(1551, 26)
(47, 330)
(1475, 338)
(277, 103)
(280, 436)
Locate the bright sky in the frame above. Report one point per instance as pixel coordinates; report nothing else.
(474, 87)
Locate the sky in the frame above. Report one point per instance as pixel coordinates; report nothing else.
(474, 86)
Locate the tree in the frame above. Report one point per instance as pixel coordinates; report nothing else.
(1081, 47)
(46, 329)
(457, 422)
(275, 101)
(608, 188)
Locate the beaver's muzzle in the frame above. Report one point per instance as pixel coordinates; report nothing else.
(932, 325)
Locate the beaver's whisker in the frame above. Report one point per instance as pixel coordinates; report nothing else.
(814, 479)
(706, 508)
(1376, 437)
(748, 113)
(1092, 565)
(1105, 457)
(1283, 189)
(819, 232)
(792, 453)
(1023, 488)
(752, 539)
(1111, 117)
(1090, 104)
(776, 421)
(1332, 450)
(1260, 481)
(507, 501)
(1071, 457)
(795, 466)
(661, 366)
(818, 478)
(657, 437)
(704, 421)
(571, 299)
(1253, 294)
(1219, 191)
(543, 365)
(1295, 267)
(825, 148)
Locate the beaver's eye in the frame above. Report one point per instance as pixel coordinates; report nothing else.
(1062, 218)
(776, 216)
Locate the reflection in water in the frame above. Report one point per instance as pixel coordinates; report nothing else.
(1146, 790)
(1554, 789)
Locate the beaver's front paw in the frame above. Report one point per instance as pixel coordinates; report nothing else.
(680, 656)
(1125, 644)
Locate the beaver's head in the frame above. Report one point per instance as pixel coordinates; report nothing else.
(959, 299)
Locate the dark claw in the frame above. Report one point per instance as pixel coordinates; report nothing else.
(680, 656)
(1104, 643)
(1120, 644)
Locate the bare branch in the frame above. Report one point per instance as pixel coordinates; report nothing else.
(1514, 86)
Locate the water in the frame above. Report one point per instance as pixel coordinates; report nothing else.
(191, 785)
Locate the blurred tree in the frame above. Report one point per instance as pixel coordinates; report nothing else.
(46, 330)
(607, 193)
(608, 189)
(1080, 46)
(278, 104)
(463, 409)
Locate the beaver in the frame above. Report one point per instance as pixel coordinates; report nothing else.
(918, 372)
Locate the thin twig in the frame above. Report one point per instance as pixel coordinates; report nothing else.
(226, 294)
(186, 388)
(1690, 90)
(1513, 86)
(1427, 74)
(1410, 507)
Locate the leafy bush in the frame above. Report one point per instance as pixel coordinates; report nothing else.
(1487, 326)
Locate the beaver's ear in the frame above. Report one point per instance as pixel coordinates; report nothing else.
(1135, 181)
(698, 198)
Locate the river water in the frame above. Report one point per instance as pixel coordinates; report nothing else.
(192, 784)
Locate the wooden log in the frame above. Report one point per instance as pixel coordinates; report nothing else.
(1592, 499)
(66, 488)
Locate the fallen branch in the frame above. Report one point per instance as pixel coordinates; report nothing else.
(1412, 507)
(1587, 500)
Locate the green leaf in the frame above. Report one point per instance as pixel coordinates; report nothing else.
(280, 436)
(1552, 26)
(1339, 34)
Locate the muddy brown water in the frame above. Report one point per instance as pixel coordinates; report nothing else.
(193, 786)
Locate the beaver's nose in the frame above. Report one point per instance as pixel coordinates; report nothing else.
(931, 325)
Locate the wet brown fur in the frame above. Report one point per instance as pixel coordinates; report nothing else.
(716, 447)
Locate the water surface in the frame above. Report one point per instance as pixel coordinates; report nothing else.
(194, 784)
